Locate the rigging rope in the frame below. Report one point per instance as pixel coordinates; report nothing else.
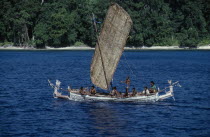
(129, 66)
(136, 77)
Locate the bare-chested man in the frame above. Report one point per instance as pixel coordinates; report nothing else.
(127, 82)
(92, 90)
(115, 93)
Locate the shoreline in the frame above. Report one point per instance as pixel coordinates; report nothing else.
(73, 48)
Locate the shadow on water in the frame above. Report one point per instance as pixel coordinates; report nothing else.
(105, 120)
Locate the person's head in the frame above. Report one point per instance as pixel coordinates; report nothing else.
(81, 88)
(92, 87)
(134, 89)
(128, 77)
(152, 83)
(114, 88)
(145, 87)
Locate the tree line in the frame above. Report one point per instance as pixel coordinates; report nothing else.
(60, 23)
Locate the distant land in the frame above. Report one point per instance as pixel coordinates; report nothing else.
(207, 47)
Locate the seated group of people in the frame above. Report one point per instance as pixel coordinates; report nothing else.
(115, 93)
(153, 89)
(146, 91)
(91, 92)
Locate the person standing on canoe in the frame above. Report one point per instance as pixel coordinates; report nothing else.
(127, 82)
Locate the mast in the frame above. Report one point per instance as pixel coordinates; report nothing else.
(102, 61)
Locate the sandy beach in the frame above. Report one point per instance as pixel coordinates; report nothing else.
(207, 47)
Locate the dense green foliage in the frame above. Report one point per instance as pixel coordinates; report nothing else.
(66, 22)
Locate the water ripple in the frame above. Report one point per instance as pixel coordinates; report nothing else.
(27, 107)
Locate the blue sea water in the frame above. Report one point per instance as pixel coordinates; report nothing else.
(27, 107)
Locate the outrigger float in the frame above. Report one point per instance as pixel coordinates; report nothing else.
(109, 48)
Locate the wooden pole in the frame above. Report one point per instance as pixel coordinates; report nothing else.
(100, 52)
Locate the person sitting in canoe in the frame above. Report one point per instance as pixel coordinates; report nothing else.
(115, 93)
(145, 91)
(127, 82)
(153, 88)
(81, 91)
(92, 90)
(134, 92)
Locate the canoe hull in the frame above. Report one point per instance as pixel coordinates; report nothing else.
(151, 98)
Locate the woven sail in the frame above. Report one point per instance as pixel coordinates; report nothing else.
(110, 46)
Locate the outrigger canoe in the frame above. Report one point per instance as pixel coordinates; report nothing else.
(76, 96)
